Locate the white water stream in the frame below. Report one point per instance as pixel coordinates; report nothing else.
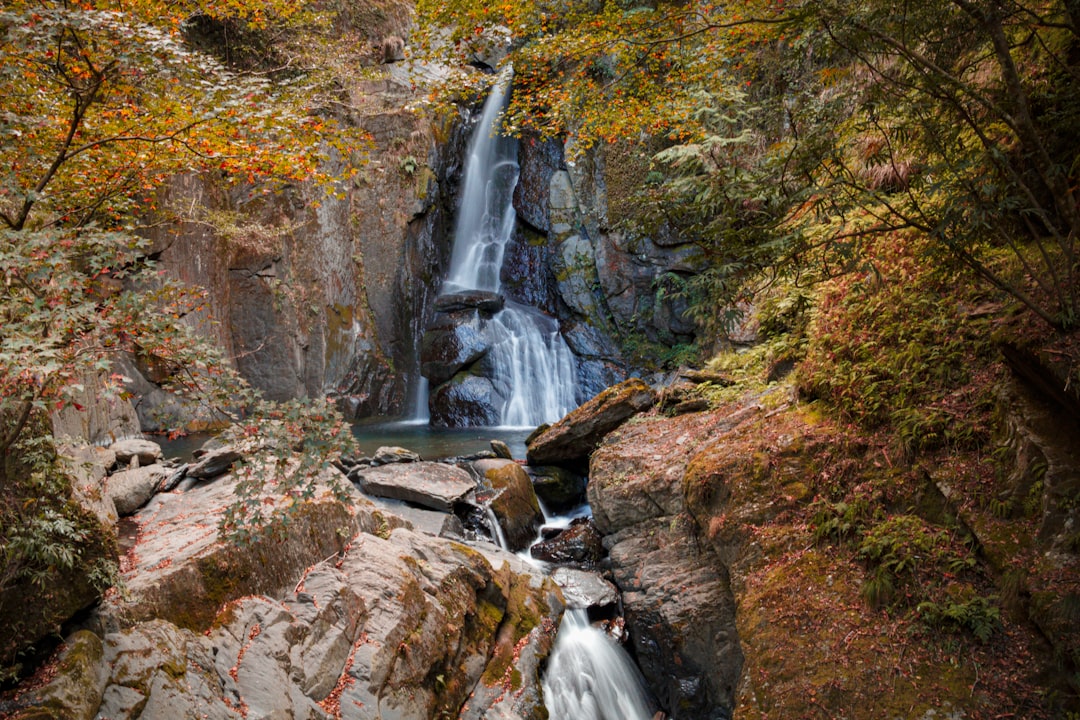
(589, 677)
(535, 371)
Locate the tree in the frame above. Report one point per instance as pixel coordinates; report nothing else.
(842, 120)
(101, 102)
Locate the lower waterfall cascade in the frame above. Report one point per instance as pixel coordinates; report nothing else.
(589, 677)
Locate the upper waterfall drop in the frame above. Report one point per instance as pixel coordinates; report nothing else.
(534, 371)
(486, 220)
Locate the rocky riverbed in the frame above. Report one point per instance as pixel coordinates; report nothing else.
(711, 529)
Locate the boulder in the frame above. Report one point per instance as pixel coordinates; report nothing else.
(584, 589)
(130, 489)
(429, 484)
(76, 686)
(147, 451)
(514, 503)
(213, 462)
(501, 450)
(580, 544)
(88, 466)
(432, 522)
(571, 440)
(451, 344)
(465, 401)
(388, 455)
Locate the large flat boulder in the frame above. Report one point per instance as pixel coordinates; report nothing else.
(487, 302)
(398, 624)
(147, 451)
(429, 484)
(181, 570)
(570, 441)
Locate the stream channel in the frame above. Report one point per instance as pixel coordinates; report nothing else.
(589, 676)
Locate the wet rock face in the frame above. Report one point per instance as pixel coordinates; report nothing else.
(514, 502)
(580, 545)
(679, 608)
(452, 343)
(539, 161)
(455, 358)
(559, 488)
(526, 274)
(586, 589)
(465, 401)
(642, 282)
(487, 303)
(628, 267)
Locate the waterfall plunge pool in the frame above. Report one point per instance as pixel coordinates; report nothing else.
(432, 443)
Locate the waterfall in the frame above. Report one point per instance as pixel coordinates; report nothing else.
(589, 677)
(534, 370)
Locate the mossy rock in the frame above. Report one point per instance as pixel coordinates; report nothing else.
(515, 504)
(58, 593)
(77, 686)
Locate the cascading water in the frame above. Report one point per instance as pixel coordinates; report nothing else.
(589, 677)
(534, 370)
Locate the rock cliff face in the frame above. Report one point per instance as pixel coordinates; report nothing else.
(676, 591)
(314, 290)
(747, 595)
(569, 257)
(611, 286)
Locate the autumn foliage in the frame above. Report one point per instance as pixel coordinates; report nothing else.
(102, 103)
